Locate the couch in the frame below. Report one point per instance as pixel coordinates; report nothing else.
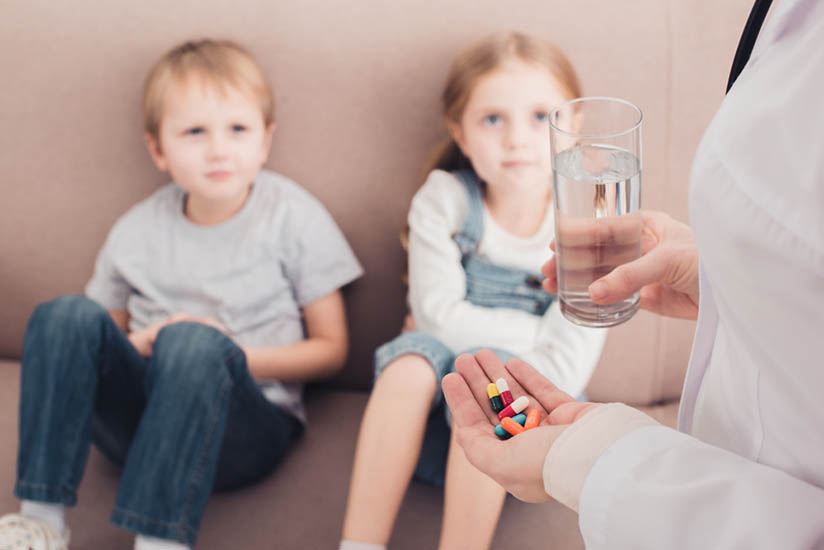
(357, 87)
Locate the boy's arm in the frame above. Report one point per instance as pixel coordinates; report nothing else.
(120, 318)
(322, 353)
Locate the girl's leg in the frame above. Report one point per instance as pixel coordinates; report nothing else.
(193, 379)
(472, 504)
(388, 446)
(71, 346)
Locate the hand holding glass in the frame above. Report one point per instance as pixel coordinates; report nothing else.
(596, 176)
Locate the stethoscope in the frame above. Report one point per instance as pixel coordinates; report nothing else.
(745, 45)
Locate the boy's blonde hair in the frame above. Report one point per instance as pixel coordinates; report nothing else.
(482, 57)
(218, 62)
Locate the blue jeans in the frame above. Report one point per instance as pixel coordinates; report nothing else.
(185, 422)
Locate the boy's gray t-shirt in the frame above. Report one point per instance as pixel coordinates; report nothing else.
(252, 273)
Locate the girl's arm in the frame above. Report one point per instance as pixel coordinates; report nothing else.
(437, 283)
(565, 353)
(321, 354)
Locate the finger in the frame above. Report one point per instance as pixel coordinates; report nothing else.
(465, 409)
(552, 245)
(625, 280)
(568, 413)
(546, 394)
(476, 380)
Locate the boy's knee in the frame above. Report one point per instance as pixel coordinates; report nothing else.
(193, 351)
(73, 311)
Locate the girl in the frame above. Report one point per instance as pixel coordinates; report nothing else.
(479, 229)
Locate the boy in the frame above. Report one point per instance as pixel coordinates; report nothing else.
(183, 362)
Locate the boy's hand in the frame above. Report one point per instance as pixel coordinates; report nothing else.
(143, 340)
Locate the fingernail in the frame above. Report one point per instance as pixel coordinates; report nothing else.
(598, 290)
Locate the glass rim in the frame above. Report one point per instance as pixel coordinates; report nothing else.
(632, 128)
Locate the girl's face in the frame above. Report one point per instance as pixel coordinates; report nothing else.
(212, 143)
(504, 129)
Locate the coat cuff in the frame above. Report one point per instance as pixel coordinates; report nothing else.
(573, 454)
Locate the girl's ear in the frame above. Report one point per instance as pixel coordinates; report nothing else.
(153, 145)
(456, 134)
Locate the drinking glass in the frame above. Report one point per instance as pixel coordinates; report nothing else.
(596, 178)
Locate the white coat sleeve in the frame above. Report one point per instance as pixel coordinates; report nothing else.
(565, 353)
(437, 282)
(659, 488)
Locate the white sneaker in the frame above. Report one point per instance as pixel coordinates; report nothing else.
(24, 533)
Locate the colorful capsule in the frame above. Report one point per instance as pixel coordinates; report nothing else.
(515, 407)
(503, 389)
(494, 397)
(532, 419)
(511, 426)
(501, 432)
(520, 418)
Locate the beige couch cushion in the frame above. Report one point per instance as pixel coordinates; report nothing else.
(358, 86)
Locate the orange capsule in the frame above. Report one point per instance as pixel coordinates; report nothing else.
(511, 426)
(533, 418)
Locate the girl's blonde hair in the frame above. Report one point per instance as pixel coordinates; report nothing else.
(217, 62)
(482, 57)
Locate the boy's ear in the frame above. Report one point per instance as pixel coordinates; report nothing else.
(455, 133)
(153, 145)
(267, 140)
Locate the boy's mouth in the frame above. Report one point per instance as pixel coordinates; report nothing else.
(218, 175)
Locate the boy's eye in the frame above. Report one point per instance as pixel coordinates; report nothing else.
(541, 117)
(194, 131)
(492, 120)
(238, 128)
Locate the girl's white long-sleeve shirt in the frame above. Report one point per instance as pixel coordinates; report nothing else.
(563, 352)
(746, 468)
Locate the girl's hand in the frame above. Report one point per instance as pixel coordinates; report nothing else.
(517, 463)
(143, 340)
(666, 273)
(408, 323)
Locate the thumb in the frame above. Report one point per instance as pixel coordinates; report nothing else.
(627, 279)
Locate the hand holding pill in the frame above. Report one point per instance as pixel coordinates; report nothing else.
(516, 463)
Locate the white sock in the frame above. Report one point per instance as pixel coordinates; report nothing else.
(142, 542)
(353, 545)
(51, 513)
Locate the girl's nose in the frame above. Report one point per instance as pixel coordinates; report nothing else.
(518, 135)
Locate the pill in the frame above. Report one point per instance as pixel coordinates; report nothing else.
(511, 426)
(503, 389)
(501, 432)
(532, 419)
(515, 407)
(520, 418)
(494, 397)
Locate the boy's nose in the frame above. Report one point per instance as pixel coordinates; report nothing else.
(217, 146)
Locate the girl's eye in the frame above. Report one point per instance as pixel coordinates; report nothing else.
(541, 117)
(194, 131)
(492, 120)
(237, 128)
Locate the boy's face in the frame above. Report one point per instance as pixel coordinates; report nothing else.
(213, 144)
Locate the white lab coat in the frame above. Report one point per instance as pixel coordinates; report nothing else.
(747, 469)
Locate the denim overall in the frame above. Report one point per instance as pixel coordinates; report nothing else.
(487, 285)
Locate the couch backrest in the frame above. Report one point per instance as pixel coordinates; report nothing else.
(358, 86)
